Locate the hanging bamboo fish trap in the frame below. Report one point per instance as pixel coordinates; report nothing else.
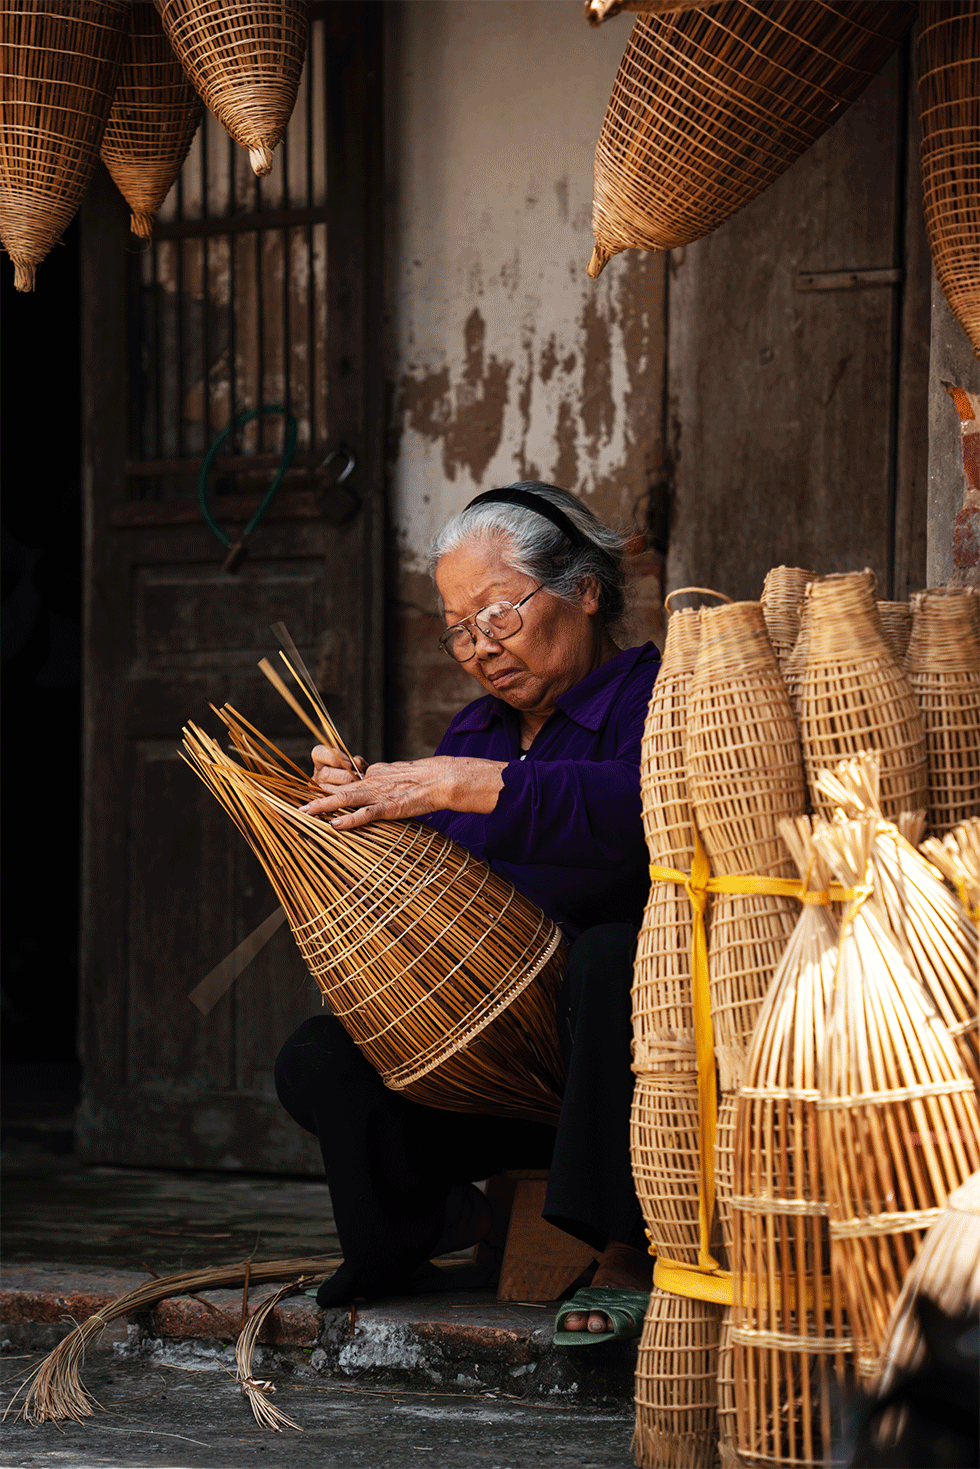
(442, 973)
(663, 1025)
(899, 1125)
(943, 665)
(782, 1331)
(709, 107)
(949, 111)
(856, 696)
(677, 1384)
(936, 936)
(744, 775)
(245, 57)
(59, 64)
(782, 598)
(947, 1271)
(896, 624)
(155, 114)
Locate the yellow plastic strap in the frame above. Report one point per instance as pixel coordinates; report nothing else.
(693, 1281)
(698, 884)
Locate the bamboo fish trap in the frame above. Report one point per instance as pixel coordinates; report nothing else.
(782, 1330)
(947, 1271)
(665, 1151)
(744, 776)
(676, 1384)
(710, 106)
(937, 937)
(943, 665)
(442, 973)
(899, 1125)
(792, 670)
(245, 57)
(727, 1453)
(663, 1024)
(155, 114)
(896, 624)
(782, 598)
(949, 111)
(59, 65)
(855, 696)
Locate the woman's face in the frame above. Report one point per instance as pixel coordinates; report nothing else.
(557, 646)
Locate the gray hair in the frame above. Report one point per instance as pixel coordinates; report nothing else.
(541, 551)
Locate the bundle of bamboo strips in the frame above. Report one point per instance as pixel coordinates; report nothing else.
(943, 665)
(899, 1125)
(744, 775)
(677, 1384)
(782, 1331)
(782, 598)
(937, 938)
(443, 974)
(54, 1393)
(856, 696)
(957, 857)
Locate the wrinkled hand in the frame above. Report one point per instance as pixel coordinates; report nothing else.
(405, 788)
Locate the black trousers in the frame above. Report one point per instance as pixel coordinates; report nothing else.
(391, 1162)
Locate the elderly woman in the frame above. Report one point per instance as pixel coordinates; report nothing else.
(540, 778)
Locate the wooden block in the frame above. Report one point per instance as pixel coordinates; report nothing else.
(540, 1261)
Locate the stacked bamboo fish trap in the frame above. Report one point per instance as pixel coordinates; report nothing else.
(782, 598)
(783, 1339)
(943, 664)
(899, 1125)
(677, 1383)
(855, 695)
(949, 110)
(245, 58)
(896, 624)
(710, 106)
(155, 114)
(60, 67)
(443, 974)
(745, 776)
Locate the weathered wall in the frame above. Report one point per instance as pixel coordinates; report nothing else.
(506, 361)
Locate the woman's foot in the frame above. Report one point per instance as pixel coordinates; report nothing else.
(620, 1267)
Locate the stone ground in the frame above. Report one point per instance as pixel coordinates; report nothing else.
(458, 1378)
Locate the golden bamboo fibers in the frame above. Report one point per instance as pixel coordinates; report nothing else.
(782, 1328)
(663, 1022)
(896, 624)
(744, 776)
(943, 665)
(665, 1151)
(949, 112)
(856, 696)
(245, 57)
(155, 114)
(709, 107)
(957, 857)
(947, 1271)
(782, 598)
(899, 1125)
(677, 1384)
(929, 924)
(443, 974)
(58, 69)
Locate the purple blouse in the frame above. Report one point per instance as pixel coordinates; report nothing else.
(567, 828)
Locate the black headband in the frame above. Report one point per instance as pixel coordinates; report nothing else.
(540, 506)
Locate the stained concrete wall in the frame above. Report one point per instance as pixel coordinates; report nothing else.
(505, 361)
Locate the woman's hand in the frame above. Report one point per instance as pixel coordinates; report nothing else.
(405, 788)
(331, 768)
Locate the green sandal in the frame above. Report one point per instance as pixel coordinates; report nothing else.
(625, 1309)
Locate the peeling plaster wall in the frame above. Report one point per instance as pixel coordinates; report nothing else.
(507, 362)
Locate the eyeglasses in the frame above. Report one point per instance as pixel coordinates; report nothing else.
(497, 621)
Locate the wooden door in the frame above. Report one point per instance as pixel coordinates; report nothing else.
(252, 292)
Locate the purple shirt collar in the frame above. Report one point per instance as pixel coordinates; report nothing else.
(587, 702)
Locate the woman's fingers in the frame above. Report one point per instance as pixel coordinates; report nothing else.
(331, 768)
